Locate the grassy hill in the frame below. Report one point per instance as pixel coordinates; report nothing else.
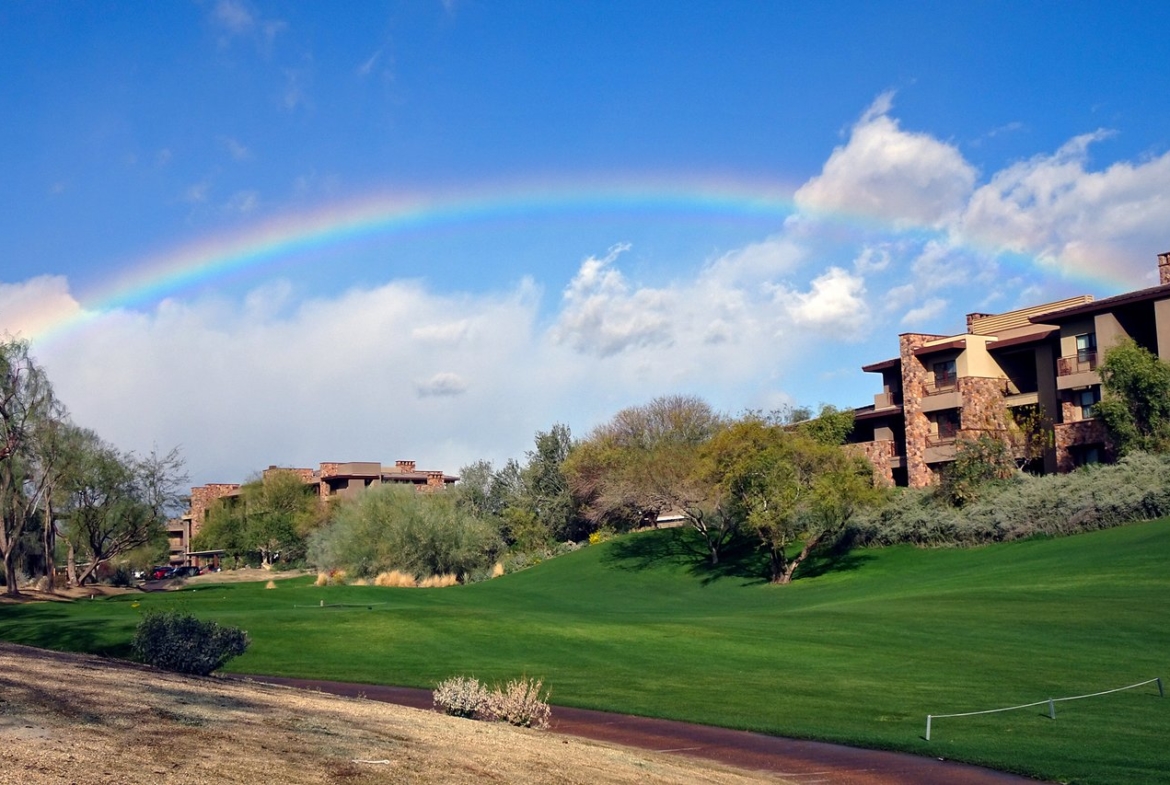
(858, 652)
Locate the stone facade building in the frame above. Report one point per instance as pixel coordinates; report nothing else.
(1035, 364)
(329, 481)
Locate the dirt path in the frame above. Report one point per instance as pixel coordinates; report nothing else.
(799, 761)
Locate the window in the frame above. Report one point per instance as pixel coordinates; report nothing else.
(944, 373)
(1085, 400)
(948, 424)
(1087, 349)
(1087, 454)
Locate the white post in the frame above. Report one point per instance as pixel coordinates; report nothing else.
(928, 718)
(1051, 709)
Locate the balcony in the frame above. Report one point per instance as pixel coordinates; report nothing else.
(941, 392)
(1077, 370)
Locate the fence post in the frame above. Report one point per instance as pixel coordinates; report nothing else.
(1051, 709)
(928, 717)
(1160, 693)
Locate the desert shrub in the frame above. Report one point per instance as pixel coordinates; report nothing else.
(1093, 497)
(461, 697)
(122, 577)
(179, 642)
(395, 578)
(520, 703)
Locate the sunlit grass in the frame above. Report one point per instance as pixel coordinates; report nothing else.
(859, 653)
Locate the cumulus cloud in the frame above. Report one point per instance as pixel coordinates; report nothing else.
(925, 313)
(602, 316)
(31, 307)
(834, 306)
(1055, 208)
(907, 179)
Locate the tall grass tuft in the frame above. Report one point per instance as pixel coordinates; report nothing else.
(438, 581)
(396, 579)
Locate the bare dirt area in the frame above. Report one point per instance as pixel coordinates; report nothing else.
(82, 719)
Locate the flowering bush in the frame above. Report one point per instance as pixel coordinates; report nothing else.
(462, 697)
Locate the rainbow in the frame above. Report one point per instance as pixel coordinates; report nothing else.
(290, 236)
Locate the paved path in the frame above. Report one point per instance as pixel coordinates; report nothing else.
(800, 761)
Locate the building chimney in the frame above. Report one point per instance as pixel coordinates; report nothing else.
(406, 466)
(1164, 267)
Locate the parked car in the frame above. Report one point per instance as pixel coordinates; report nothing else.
(187, 572)
(161, 573)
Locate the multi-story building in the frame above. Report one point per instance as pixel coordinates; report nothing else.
(328, 482)
(1039, 361)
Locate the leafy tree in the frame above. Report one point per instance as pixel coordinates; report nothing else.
(27, 405)
(646, 462)
(831, 425)
(787, 486)
(978, 461)
(270, 518)
(1136, 406)
(113, 505)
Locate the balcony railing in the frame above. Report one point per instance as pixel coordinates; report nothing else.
(1076, 363)
(942, 383)
(939, 440)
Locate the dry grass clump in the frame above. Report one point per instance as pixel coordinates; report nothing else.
(497, 569)
(331, 578)
(270, 585)
(396, 578)
(438, 581)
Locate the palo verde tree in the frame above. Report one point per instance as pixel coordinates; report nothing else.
(786, 486)
(1136, 405)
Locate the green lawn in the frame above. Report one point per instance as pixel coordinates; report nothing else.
(859, 653)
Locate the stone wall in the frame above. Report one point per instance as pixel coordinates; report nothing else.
(881, 455)
(914, 379)
(203, 497)
(1073, 434)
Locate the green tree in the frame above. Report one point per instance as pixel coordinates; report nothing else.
(1136, 405)
(978, 461)
(646, 462)
(787, 487)
(270, 518)
(113, 505)
(27, 406)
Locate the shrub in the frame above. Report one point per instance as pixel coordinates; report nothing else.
(520, 703)
(395, 578)
(438, 581)
(179, 642)
(462, 697)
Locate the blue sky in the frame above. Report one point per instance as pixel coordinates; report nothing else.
(745, 201)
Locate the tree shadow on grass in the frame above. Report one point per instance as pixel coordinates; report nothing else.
(682, 547)
(742, 559)
(52, 628)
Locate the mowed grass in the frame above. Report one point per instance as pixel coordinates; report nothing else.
(859, 652)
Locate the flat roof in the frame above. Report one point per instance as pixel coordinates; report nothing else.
(1159, 292)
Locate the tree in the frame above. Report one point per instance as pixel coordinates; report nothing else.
(646, 462)
(116, 502)
(786, 486)
(270, 518)
(978, 461)
(26, 405)
(1136, 405)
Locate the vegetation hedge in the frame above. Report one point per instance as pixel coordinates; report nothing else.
(1094, 497)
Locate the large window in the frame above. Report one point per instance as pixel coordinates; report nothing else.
(944, 373)
(1087, 349)
(947, 423)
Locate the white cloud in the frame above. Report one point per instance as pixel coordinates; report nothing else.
(31, 307)
(242, 202)
(834, 307)
(236, 149)
(233, 16)
(927, 312)
(907, 179)
(1054, 208)
(603, 317)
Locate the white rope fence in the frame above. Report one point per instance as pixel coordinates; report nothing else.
(1051, 703)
